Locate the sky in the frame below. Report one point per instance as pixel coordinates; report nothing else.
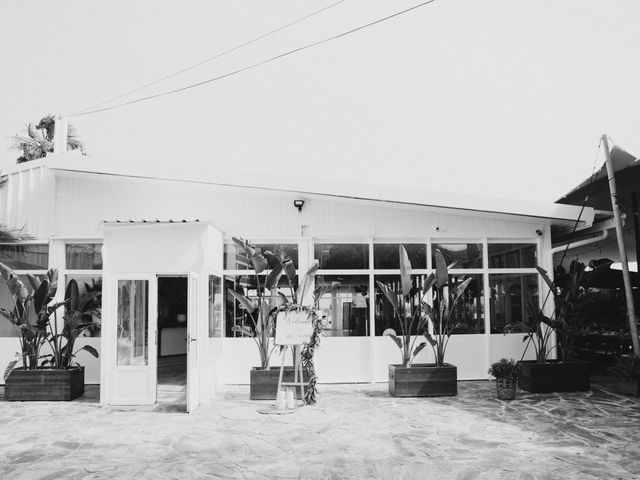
(501, 98)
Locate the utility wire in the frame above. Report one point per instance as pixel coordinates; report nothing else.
(250, 67)
(221, 54)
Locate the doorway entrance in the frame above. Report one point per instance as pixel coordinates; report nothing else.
(173, 304)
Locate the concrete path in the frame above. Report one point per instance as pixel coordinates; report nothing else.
(355, 432)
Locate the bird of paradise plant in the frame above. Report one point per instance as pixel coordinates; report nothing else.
(416, 316)
(262, 311)
(35, 317)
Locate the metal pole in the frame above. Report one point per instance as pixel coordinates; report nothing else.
(621, 248)
(636, 229)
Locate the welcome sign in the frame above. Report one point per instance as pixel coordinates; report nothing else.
(293, 327)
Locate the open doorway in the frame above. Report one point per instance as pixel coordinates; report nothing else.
(171, 390)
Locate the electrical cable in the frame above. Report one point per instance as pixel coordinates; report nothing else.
(252, 66)
(221, 54)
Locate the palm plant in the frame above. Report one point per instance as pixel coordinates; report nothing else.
(416, 316)
(38, 140)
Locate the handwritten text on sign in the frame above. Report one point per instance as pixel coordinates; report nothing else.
(293, 328)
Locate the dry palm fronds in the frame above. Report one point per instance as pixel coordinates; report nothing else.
(39, 140)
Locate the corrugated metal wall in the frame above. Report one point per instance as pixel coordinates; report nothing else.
(27, 201)
(83, 201)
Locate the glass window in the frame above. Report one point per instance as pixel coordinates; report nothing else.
(512, 255)
(247, 286)
(342, 256)
(345, 309)
(85, 256)
(465, 255)
(236, 260)
(89, 293)
(21, 256)
(468, 315)
(133, 322)
(7, 328)
(384, 314)
(386, 255)
(215, 306)
(510, 295)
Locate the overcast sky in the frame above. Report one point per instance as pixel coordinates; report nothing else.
(500, 98)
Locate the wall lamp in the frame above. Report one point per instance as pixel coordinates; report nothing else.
(298, 204)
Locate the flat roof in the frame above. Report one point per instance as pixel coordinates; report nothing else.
(551, 212)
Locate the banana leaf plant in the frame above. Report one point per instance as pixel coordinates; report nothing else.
(570, 304)
(414, 314)
(34, 316)
(262, 311)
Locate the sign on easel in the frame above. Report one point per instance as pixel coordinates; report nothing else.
(293, 327)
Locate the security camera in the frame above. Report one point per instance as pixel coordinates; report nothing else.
(539, 232)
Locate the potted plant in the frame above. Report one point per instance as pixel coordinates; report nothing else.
(544, 374)
(415, 316)
(506, 374)
(262, 312)
(44, 375)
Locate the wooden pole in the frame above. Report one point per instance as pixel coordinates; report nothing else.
(621, 248)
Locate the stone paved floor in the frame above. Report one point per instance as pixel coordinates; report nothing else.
(355, 431)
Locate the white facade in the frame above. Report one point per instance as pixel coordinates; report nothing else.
(62, 200)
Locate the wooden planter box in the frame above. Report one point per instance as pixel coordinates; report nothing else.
(263, 384)
(554, 376)
(44, 384)
(423, 380)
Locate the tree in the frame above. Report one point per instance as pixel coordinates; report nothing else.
(39, 140)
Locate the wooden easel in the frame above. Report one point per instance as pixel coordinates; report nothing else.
(298, 380)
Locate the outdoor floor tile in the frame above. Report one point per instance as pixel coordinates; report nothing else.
(355, 431)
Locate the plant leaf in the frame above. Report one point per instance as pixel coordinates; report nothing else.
(390, 332)
(244, 330)
(306, 281)
(405, 270)
(91, 350)
(418, 349)
(442, 274)
(430, 339)
(274, 277)
(260, 263)
(10, 366)
(246, 303)
(392, 297)
(545, 277)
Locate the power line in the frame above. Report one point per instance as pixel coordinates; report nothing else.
(250, 67)
(221, 54)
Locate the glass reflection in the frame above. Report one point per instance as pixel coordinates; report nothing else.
(512, 255)
(509, 297)
(235, 260)
(345, 309)
(344, 256)
(387, 256)
(462, 255)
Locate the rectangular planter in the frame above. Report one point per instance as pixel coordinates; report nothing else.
(423, 380)
(554, 376)
(263, 384)
(44, 384)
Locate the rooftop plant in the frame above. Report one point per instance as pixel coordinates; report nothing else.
(415, 315)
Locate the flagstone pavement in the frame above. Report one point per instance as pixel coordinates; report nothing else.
(354, 432)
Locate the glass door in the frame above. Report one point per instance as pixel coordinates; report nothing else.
(134, 350)
(193, 372)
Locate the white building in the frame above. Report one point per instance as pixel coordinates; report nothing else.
(164, 240)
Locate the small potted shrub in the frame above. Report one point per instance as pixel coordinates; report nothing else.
(506, 375)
